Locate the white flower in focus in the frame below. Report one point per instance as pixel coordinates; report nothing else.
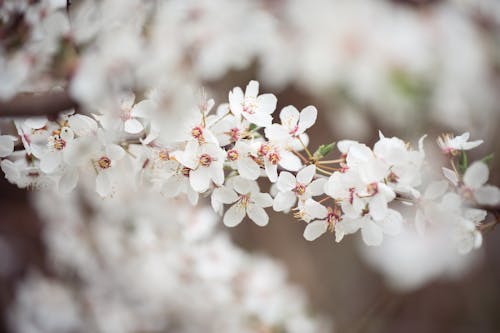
(256, 109)
(301, 187)
(450, 145)
(327, 218)
(404, 164)
(274, 155)
(206, 163)
(474, 179)
(242, 157)
(293, 126)
(247, 199)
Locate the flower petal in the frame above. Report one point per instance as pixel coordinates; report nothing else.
(372, 234)
(476, 175)
(306, 175)
(488, 195)
(267, 103)
(307, 118)
(315, 229)
(234, 215)
(258, 215)
(284, 201)
(286, 181)
(133, 126)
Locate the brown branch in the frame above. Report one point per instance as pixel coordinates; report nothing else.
(44, 104)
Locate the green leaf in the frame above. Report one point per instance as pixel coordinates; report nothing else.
(488, 158)
(252, 127)
(323, 150)
(463, 162)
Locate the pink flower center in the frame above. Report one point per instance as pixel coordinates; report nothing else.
(185, 171)
(372, 189)
(59, 144)
(264, 149)
(104, 162)
(299, 189)
(197, 133)
(232, 155)
(205, 160)
(274, 158)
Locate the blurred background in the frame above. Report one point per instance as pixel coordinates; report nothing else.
(405, 67)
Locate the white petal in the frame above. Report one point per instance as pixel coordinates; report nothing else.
(306, 175)
(115, 152)
(488, 195)
(50, 162)
(236, 99)
(252, 89)
(244, 186)
(307, 118)
(267, 103)
(290, 161)
(372, 234)
(200, 179)
(378, 207)
(258, 215)
(284, 201)
(289, 116)
(225, 195)
(36, 122)
(262, 199)
(317, 187)
(314, 210)
(258, 118)
(315, 229)
(476, 175)
(133, 126)
(248, 168)
(271, 171)
(286, 181)
(234, 215)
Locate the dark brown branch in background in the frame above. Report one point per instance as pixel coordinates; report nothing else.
(44, 104)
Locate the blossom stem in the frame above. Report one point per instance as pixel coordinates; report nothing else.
(324, 171)
(340, 160)
(305, 148)
(302, 157)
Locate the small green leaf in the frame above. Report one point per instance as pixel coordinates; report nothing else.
(323, 150)
(463, 162)
(487, 159)
(252, 127)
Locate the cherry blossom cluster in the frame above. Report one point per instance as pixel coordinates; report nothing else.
(222, 154)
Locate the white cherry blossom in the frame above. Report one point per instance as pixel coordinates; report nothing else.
(301, 187)
(206, 163)
(451, 145)
(247, 199)
(256, 109)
